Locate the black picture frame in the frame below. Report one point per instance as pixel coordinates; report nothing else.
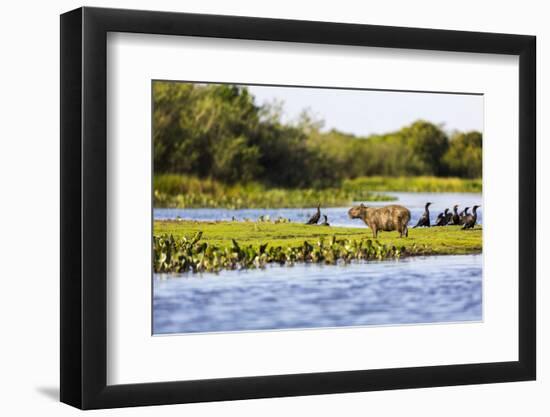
(84, 207)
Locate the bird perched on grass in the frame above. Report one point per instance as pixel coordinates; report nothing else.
(470, 221)
(424, 220)
(456, 216)
(442, 218)
(448, 217)
(315, 218)
(325, 223)
(463, 214)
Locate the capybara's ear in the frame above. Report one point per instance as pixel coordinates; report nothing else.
(362, 205)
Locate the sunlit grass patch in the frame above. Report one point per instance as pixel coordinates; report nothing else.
(181, 191)
(415, 184)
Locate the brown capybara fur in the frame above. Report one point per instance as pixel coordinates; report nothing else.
(385, 218)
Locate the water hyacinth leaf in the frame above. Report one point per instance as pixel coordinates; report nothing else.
(172, 254)
(196, 238)
(235, 245)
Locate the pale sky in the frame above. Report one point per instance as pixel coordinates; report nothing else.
(364, 112)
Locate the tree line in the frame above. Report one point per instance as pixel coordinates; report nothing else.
(220, 132)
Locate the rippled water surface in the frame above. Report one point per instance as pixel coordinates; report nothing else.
(413, 290)
(337, 216)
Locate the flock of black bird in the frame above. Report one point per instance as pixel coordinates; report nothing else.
(317, 216)
(467, 220)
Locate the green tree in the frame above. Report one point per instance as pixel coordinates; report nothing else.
(236, 161)
(428, 143)
(465, 155)
(205, 130)
(218, 131)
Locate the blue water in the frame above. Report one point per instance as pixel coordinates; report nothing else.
(337, 216)
(413, 290)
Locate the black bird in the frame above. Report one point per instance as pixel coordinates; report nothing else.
(470, 221)
(315, 218)
(424, 220)
(463, 214)
(456, 216)
(325, 223)
(448, 217)
(442, 218)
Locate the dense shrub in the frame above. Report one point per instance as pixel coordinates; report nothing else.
(218, 131)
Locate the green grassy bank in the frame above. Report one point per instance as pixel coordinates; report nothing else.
(211, 246)
(424, 184)
(180, 191)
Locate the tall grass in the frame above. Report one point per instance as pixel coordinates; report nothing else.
(414, 184)
(181, 191)
(172, 190)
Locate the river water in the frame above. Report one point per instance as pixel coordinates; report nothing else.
(337, 216)
(432, 289)
(413, 290)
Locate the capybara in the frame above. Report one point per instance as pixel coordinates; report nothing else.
(387, 218)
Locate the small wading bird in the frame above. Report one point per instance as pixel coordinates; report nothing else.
(315, 218)
(325, 223)
(442, 218)
(456, 217)
(470, 221)
(463, 214)
(424, 220)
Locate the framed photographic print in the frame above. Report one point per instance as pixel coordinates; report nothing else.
(257, 208)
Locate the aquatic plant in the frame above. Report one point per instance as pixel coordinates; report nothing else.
(191, 254)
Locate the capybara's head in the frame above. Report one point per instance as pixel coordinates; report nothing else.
(358, 212)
